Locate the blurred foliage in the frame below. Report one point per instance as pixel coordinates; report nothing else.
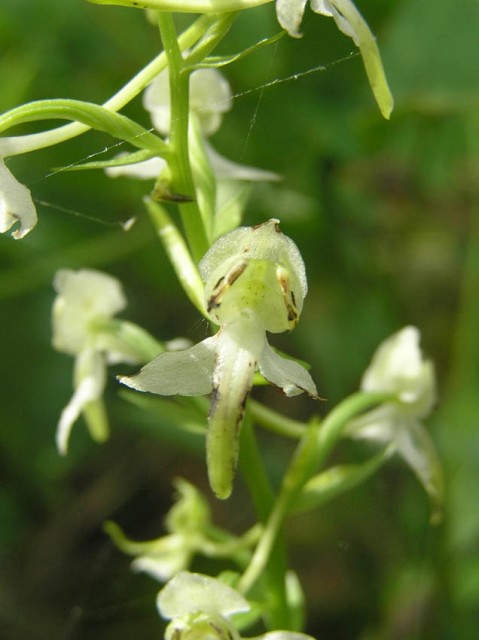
(385, 214)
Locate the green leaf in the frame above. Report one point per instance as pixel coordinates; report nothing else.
(119, 161)
(221, 61)
(92, 115)
(186, 6)
(331, 483)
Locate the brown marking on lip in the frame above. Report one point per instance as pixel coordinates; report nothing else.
(215, 394)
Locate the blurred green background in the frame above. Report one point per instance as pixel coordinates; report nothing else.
(385, 214)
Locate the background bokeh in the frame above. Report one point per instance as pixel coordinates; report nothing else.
(385, 214)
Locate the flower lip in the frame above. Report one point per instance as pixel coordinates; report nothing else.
(84, 297)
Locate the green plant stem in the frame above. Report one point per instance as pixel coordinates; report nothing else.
(212, 37)
(15, 145)
(311, 452)
(276, 422)
(178, 253)
(259, 486)
(181, 175)
(252, 468)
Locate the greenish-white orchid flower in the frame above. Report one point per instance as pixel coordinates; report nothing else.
(16, 204)
(190, 531)
(399, 368)
(86, 300)
(210, 99)
(186, 524)
(255, 281)
(201, 608)
(351, 23)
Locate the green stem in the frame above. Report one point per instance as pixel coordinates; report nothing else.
(334, 423)
(276, 422)
(15, 145)
(259, 486)
(212, 38)
(182, 177)
(252, 468)
(178, 253)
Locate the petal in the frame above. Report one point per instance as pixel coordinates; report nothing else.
(169, 556)
(225, 169)
(286, 374)
(194, 592)
(352, 24)
(156, 100)
(89, 385)
(190, 514)
(327, 8)
(210, 97)
(396, 358)
(390, 424)
(16, 204)
(231, 198)
(398, 366)
(187, 373)
(164, 567)
(290, 13)
(378, 425)
(416, 447)
(84, 296)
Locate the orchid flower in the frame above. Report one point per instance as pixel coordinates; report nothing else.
(399, 368)
(201, 608)
(190, 531)
(255, 281)
(85, 300)
(210, 99)
(16, 204)
(185, 523)
(352, 24)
